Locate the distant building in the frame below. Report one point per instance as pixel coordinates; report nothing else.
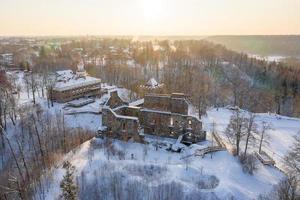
(152, 86)
(162, 115)
(70, 85)
(7, 59)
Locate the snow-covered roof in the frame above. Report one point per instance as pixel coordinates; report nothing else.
(151, 84)
(137, 102)
(156, 111)
(157, 47)
(67, 80)
(67, 72)
(102, 128)
(108, 87)
(7, 54)
(120, 116)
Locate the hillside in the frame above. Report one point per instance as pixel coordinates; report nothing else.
(140, 169)
(285, 45)
(139, 175)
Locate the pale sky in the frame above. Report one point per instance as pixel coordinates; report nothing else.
(149, 17)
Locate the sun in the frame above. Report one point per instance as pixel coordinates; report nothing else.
(152, 9)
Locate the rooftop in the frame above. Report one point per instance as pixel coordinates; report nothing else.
(67, 79)
(152, 84)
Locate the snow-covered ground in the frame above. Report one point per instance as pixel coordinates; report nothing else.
(170, 167)
(278, 139)
(87, 116)
(269, 58)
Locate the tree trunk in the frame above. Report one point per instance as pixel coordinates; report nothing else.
(13, 154)
(247, 141)
(39, 140)
(238, 139)
(237, 145)
(261, 141)
(33, 95)
(24, 161)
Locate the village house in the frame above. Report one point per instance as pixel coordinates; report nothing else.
(6, 59)
(70, 85)
(161, 115)
(152, 86)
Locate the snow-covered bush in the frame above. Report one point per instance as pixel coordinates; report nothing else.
(97, 144)
(249, 163)
(208, 182)
(288, 188)
(148, 172)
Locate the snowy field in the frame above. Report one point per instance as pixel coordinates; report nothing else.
(278, 139)
(209, 177)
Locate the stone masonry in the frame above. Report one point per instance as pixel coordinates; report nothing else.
(162, 115)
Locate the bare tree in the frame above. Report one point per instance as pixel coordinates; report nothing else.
(293, 158)
(235, 130)
(265, 126)
(31, 84)
(49, 81)
(13, 154)
(187, 160)
(249, 163)
(251, 127)
(145, 152)
(287, 188)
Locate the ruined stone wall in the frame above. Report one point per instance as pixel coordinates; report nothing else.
(115, 101)
(154, 123)
(157, 102)
(128, 111)
(170, 124)
(179, 105)
(119, 126)
(161, 115)
(175, 103)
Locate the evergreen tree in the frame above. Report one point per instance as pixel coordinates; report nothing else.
(67, 185)
(43, 52)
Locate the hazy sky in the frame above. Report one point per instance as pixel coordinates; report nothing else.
(149, 17)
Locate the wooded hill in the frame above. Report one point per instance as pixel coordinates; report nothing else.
(285, 45)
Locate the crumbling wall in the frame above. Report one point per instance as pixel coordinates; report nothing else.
(115, 101)
(170, 124)
(157, 102)
(179, 105)
(128, 111)
(176, 103)
(119, 126)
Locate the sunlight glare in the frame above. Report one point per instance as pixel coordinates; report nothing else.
(152, 9)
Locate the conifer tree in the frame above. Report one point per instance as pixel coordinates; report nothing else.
(67, 185)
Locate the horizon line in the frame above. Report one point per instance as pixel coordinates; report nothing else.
(121, 35)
